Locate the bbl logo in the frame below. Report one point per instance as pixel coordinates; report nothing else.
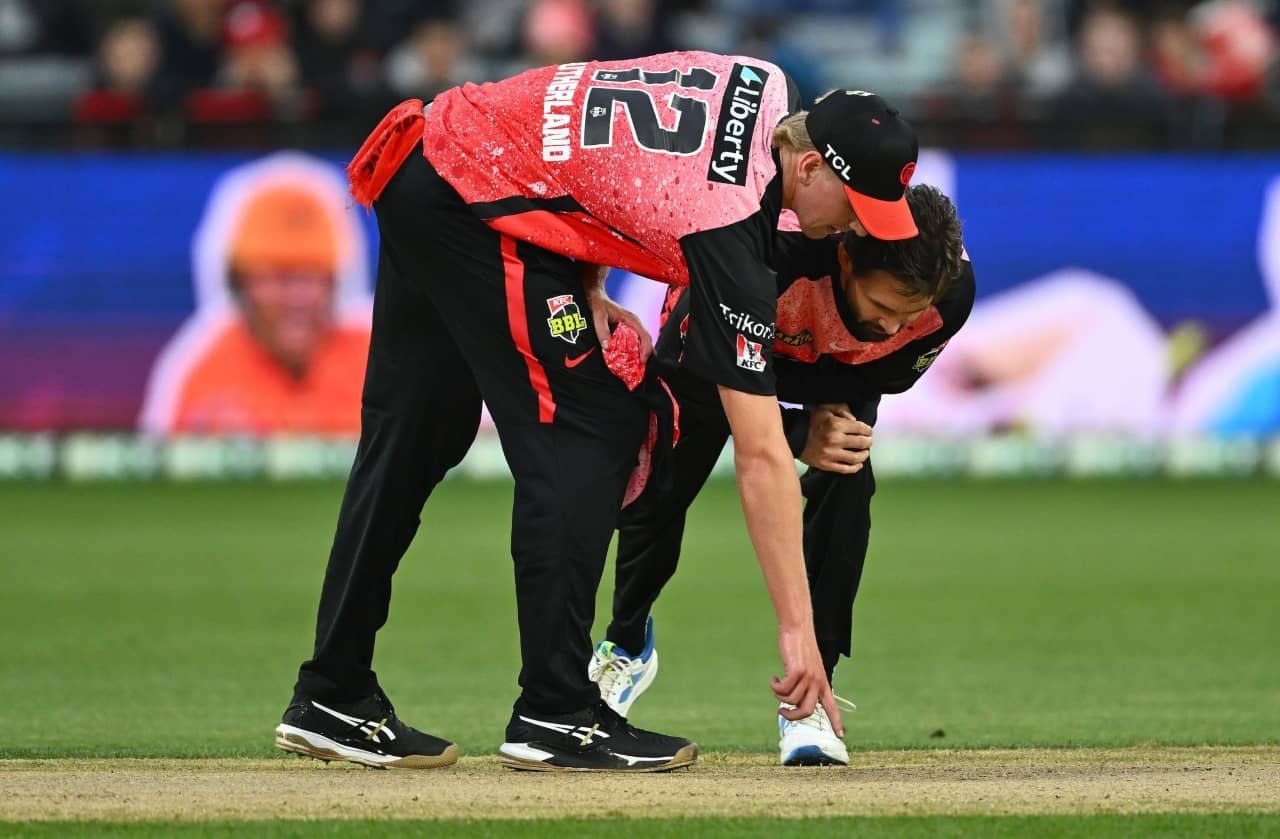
(566, 322)
(923, 362)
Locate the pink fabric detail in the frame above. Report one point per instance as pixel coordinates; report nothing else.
(789, 222)
(623, 356)
(639, 478)
(385, 150)
(623, 360)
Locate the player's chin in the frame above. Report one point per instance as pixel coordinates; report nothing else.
(821, 232)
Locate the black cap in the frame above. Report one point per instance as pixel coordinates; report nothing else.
(874, 151)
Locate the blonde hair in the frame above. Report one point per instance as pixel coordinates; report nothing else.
(792, 132)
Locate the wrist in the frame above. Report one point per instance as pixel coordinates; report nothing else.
(797, 622)
(593, 279)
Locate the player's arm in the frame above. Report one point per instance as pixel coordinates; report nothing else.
(770, 493)
(605, 311)
(730, 342)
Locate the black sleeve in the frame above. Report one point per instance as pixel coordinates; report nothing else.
(796, 256)
(733, 302)
(793, 95)
(795, 424)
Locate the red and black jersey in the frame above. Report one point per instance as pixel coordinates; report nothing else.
(817, 358)
(821, 361)
(660, 165)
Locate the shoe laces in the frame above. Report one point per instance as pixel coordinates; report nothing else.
(607, 669)
(819, 719)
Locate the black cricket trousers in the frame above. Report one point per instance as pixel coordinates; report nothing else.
(463, 313)
(837, 530)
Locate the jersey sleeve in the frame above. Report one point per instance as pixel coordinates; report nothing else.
(732, 305)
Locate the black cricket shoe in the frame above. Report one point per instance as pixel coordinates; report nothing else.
(594, 739)
(367, 732)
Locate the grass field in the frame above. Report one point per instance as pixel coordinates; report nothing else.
(167, 621)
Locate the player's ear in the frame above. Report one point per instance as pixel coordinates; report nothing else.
(846, 262)
(810, 166)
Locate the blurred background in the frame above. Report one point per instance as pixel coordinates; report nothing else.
(185, 288)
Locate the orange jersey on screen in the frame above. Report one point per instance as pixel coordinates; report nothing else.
(229, 384)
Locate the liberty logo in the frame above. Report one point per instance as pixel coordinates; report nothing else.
(736, 128)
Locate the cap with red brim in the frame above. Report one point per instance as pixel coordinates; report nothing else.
(887, 220)
(873, 151)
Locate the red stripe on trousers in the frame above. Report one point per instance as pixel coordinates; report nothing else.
(517, 320)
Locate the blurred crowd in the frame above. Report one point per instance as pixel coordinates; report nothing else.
(1177, 68)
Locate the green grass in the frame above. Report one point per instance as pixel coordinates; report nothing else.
(168, 620)
(1227, 826)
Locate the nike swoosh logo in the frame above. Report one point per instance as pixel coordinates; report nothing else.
(576, 360)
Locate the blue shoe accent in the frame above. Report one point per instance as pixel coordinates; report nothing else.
(809, 756)
(607, 647)
(647, 652)
(621, 676)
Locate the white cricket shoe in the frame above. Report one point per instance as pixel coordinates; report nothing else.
(622, 677)
(812, 741)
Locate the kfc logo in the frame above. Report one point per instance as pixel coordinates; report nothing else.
(750, 356)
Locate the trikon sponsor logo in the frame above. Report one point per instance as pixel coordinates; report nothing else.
(743, 322)
(731, 154)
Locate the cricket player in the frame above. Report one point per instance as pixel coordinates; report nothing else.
(856, 320)
(498, 206)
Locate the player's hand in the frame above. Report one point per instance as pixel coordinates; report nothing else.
(805, 684)
(838, 441)
(605, 312)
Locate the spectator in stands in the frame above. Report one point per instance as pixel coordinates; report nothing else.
(190, 47)
(435, 58)
(979, 86)
(1036, 54)
(762, 37)
(1114, 98)
(558, 32)
(629, 29)
(338, 60)
(1175, 55)
(127, 60)
(281, 332)
(1239, 47)
(258, 56)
